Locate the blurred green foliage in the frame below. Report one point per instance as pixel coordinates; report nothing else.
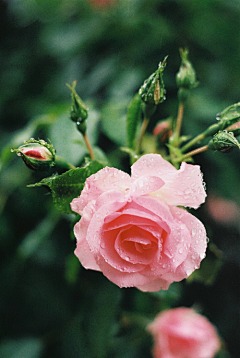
(49, 305)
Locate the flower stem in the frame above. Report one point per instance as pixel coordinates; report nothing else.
(89, 147)
(210, 131)
(143, 130)
(192, 142)
(61, 163)
(196, 151)
(179, 118)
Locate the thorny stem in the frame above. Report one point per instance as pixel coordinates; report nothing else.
(89, 147)
(143, 130)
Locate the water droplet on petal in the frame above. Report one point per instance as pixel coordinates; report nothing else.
(194, 231)
(102, 245)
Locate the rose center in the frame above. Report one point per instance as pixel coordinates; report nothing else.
(136, 245)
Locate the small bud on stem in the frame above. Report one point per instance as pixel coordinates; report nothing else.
(78, 108)
(37, 154)
(224, 142)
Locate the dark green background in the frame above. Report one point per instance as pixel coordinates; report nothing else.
(49, 306)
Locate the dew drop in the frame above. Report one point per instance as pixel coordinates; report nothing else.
(194, 231)
(180, 250)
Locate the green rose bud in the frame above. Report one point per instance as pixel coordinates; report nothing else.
(224, 142)
(37, 154)
(186, 76)
(153, 91)
(78, 108)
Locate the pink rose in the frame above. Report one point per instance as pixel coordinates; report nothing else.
(131, 228)
(183, 333)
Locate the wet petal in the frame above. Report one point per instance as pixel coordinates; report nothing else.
(145, 185)
(104, 180)
(182, 187)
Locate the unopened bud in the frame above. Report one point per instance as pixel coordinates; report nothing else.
(82, 128)
(153, 91)
(224, 142)
(163, 130)
(186, 76)
(78, 108)
(37, 154)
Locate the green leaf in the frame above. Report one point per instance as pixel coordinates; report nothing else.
(67, 186)
(133, 118)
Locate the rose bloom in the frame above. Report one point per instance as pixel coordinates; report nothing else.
(131, 228)
(183, 333)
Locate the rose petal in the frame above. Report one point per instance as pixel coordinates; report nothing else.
(152, 165)
(82, 250)
(145, 185)
(104, 180)
(111, 254)
(122, 279)
(136, 246)
(197, 249)
(185, 188)
(133, 214)
(154, 286)
(182, 187)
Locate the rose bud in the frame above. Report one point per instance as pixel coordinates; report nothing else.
(153, 91)
(183, 333)
(224, 142)
(186, 76)
(163, 130)
(37, 154)
(79, 112)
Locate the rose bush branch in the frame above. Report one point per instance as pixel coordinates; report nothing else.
(152, 92)
(226, 118)
(186, 80)
(79, 114)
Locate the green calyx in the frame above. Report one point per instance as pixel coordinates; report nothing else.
(79, 112)
(224, 142)
(152, 91)
(186, 76)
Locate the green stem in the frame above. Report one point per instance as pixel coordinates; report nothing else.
(179, 118)
(196, 151)
(143, 130)
(192, 142)
(89, 147)
(61, 162)
(210, 131)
